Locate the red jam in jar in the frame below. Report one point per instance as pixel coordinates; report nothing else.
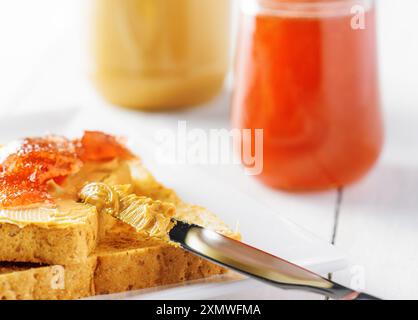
(306, 73)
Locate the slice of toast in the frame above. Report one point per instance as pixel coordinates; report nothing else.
(118, 265)
(124, 265)
(52, 237)
(62, 242)
(63, 235)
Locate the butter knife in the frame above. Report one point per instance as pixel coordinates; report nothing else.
(257, 264)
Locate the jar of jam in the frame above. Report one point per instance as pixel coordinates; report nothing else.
(306, 73)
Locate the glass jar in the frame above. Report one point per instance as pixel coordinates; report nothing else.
(159, 54)
(306, 73)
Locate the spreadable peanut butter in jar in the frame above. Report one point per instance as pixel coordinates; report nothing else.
(160, 54)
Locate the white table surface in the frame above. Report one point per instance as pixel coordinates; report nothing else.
(42, 67)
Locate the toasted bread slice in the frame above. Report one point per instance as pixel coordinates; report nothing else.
(118, 265)
(63, 240)
(124, 265)
(63, 235)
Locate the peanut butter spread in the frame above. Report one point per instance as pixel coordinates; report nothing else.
(64, 213)
(150, 218)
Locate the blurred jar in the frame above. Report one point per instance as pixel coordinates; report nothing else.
(306, 73)
(160, 54)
